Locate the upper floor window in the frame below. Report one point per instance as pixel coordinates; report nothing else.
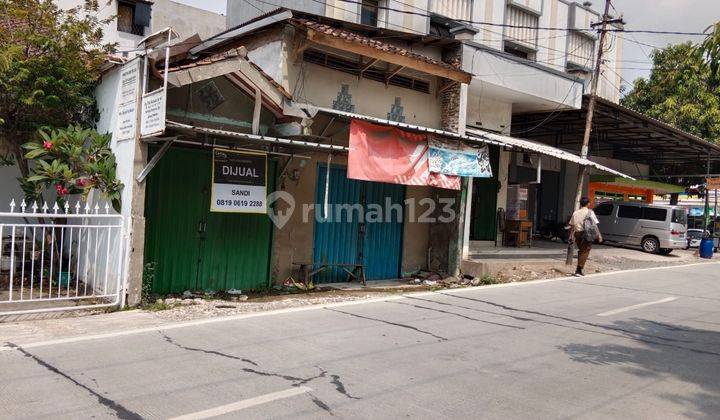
(369, 12)
(133, 17)
(521, 31)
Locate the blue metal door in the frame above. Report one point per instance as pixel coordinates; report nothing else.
(358, 228)
(382, 242)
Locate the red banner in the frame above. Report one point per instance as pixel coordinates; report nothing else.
(387, 154)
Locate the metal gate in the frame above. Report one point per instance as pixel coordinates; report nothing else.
(192, 248)
(60, 258)
(349, 237)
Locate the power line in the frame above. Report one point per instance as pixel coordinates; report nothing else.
(506, 25)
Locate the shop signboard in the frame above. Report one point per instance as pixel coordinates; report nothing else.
(128, 95)
(152, 119)
(239, 182)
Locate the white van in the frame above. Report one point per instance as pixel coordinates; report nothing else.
(654, 228)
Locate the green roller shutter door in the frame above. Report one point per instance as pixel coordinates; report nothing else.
(192, 248)
(483, 225)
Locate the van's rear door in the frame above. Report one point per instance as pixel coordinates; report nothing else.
(678, 223)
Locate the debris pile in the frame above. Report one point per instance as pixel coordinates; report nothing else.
(444, 281)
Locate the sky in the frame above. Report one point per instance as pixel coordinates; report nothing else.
(663, 15)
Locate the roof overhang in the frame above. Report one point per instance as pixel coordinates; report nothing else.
(472, 137)
(620, 133)
(256, 140)
(544, 149)
(401, 60)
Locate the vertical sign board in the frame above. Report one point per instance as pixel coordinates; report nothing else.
(152, 119)
(239, 183)
(127, 108)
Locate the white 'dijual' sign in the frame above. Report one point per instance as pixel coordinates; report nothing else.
(127, 109)
(152, 119)
(239, 183)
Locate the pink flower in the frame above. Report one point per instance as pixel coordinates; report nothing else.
(81, 182)
(61, 191)
(47, 145)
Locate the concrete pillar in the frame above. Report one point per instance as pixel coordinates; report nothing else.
(468, 215)
(446, 238)
(136, 249)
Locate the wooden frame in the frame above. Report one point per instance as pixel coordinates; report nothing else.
(399, 60)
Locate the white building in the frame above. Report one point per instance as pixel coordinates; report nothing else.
(135, 19)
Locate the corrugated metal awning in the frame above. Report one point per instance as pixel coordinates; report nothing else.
(266, 140)
(472, 136)
(543, 149)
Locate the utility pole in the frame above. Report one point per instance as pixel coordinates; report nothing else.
(590, 113)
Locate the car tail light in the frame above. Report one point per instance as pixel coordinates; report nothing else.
(676, 232)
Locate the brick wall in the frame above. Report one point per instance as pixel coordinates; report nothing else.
(444, 236)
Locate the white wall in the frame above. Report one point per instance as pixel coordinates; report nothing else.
(185, 20)
(106, 95)
(552, 45)
(488, 113)
(528, 88)
(395, 17)
(403, 21)
(107, 9)
(489, 11)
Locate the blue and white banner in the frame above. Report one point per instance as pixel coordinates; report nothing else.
(458, 159)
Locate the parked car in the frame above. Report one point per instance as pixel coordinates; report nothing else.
(693, 237)
(654, 228)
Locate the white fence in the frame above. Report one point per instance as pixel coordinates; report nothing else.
(57, 259)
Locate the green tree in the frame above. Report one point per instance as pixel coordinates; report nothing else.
(710, 48)
(678, 92)
(72, 161)
(50, 61)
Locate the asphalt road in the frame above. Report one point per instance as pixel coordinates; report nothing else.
(643, 344)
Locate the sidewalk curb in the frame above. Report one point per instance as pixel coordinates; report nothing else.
(176, 325)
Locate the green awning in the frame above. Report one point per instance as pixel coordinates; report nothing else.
(657, 187)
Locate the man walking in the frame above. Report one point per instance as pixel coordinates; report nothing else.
(584, 231)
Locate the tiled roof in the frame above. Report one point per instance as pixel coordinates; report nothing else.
(369, 42)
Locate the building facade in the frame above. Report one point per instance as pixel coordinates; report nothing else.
(524, 56)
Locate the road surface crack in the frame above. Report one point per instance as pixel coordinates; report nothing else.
(230, 356)
(121, 411)
(459, 315)
(295, 380)
(317, 401)
(625, 333)
(515, 317)
(396, 324)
